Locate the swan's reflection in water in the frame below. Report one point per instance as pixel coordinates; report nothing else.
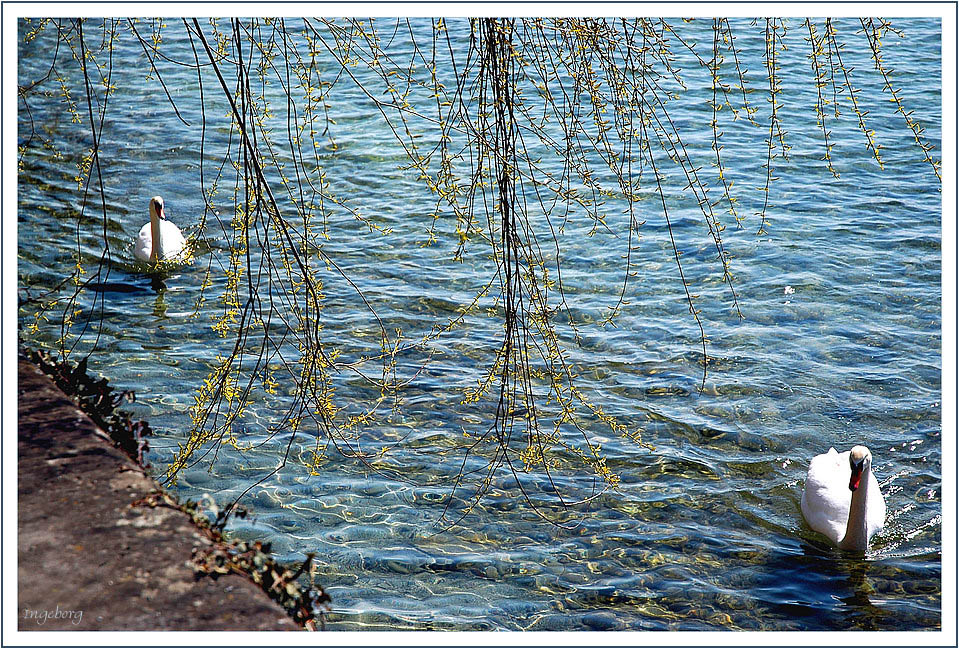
(157, 283)
(862, 612)
(159, 304)
(860, 586)
(833, 588)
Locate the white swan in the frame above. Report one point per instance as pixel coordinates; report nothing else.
(159, 240)
(848, 519)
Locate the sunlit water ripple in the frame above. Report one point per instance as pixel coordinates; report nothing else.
(704, 531)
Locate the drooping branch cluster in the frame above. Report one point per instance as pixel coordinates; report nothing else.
(525, 134)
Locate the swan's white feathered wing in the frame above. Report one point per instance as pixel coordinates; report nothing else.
(144, 243)
(171, 241)
(824, 506)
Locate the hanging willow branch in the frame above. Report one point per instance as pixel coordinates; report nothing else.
(525, 134)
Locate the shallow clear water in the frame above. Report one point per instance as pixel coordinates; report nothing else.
(704, 530)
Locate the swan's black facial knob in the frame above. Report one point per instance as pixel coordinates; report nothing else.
(856, 476)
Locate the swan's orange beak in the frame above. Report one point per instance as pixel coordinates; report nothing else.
(161, 214)
(855, 477)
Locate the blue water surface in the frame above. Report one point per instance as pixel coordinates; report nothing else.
(839, 344)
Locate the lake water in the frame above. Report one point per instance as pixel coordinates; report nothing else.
(840, 344)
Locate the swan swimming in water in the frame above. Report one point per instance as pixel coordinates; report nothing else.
(159, 240)
(841, 499)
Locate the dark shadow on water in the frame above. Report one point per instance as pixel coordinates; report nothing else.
(157, 283)
(117, 287)
(142, 284)
(818, 587)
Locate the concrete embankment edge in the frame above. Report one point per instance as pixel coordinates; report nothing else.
(89, 557)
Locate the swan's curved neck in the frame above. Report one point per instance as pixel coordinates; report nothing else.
(857, 530)
(155, 235)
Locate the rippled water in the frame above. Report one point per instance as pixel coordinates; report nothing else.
(840, 345)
